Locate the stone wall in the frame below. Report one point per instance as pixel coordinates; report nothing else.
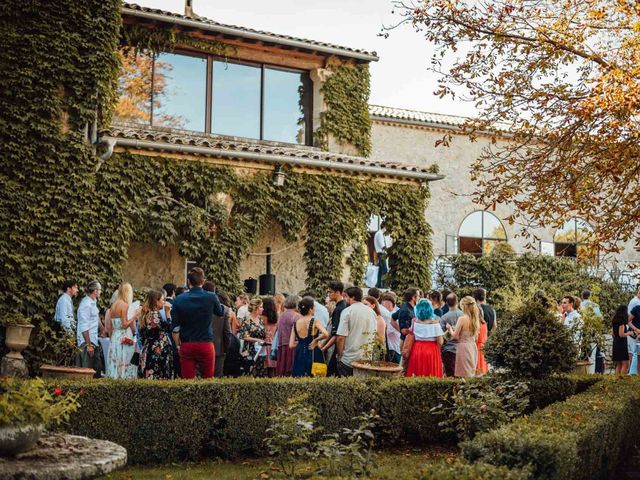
(287, 261)
(151, 266)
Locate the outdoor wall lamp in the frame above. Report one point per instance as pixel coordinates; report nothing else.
(278, 176)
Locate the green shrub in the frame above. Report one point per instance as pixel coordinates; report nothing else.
(481, 406)
(531, 342)
(584, 437)
(162, 422)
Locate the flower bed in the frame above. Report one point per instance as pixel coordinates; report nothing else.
(161, 422)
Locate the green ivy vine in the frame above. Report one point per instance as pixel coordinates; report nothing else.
(64, 214)
(163, 39)
(346, 95)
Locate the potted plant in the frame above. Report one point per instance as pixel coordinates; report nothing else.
(18, 331)
(26, 409)
(58, 352)
(372, 363)
(590, 334)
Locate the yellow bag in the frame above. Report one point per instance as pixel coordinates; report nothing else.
(318, 369)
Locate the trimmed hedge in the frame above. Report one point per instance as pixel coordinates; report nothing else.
(161, 422)
(584, 437)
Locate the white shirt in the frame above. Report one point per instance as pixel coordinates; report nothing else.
(635, 301)
(243, 312)
(573, 320)
(393, 335)
(358, 324)
(88, 320)
(321, 313)
(64, 312)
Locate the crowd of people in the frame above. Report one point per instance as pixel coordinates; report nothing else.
(197, 331)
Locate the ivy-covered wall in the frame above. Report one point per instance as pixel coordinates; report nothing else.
(64, 214)
(173, 201)
(59, 68)
(346, 114)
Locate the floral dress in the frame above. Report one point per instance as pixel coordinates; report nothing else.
(156, 358)
(252, 329)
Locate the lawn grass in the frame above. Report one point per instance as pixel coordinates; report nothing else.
(396, 464)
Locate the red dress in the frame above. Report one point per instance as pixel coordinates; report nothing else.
(425, 359)
(482, 366)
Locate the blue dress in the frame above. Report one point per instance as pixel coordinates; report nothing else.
(303, 357)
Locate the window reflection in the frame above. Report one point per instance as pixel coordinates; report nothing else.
(179, 84)
(236, 100)
(283, 106)
(134, 88)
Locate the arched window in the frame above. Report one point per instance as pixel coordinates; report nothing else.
(574, 240)
(479, 232)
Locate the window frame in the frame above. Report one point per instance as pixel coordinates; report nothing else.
(482, 238)
(186, 53)
(305, 75)
(559, 246)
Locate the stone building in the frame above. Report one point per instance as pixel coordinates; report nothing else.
(249, 100)
(257, 106)
(458, 224)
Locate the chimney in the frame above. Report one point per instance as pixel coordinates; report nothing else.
(188, 9)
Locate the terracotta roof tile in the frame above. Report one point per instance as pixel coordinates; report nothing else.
(212, 25)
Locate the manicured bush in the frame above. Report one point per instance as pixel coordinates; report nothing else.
(531, 342)
(584, 437)
(161, 422)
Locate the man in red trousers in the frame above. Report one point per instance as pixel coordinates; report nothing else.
(192, 315)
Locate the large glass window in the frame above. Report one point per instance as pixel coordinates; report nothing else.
(574, 240)
(236, 99)
(284, 101)
(479, 233)
(179, 91)
(232, 98)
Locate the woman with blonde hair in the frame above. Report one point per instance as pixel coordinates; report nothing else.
(466, 332)
(253, 333)
(156, 357)
(122, 331)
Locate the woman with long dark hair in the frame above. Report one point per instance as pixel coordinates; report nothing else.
(305, 336)
(620, 354)
(156, 357)
(270, 319)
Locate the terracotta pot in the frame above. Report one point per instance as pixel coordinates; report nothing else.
(365, 369)
(14, 440)
(17, 339)
(582, 367)
(68, 373)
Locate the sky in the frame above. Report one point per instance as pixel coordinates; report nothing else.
(399, 79)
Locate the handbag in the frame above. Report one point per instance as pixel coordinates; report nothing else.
(407, 345)
(318, 369)
(135, 359)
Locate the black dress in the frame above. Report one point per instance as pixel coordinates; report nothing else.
(620, 349)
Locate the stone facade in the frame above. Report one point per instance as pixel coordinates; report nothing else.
(151, 266)
(287, 261)
(410, 142)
